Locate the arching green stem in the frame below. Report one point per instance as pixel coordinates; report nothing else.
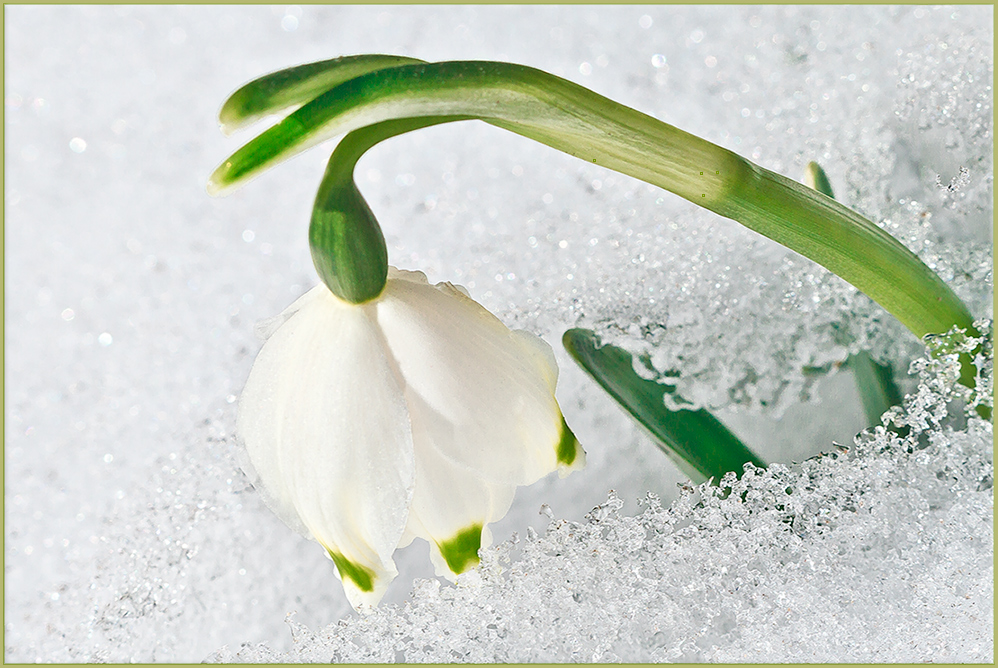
(591, 127)
(875, 382)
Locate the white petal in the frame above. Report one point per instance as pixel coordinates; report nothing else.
(407, 275)
(326, 429)
(266, 327)
(452, 505)
(493, 387)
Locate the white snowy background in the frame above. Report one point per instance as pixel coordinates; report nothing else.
(131, 297)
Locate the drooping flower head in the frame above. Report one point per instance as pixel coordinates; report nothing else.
(383, 408)
(415, 414)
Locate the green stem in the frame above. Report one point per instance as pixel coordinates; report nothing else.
(573, 119)
(875, 382)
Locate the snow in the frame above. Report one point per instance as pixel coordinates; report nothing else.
(131, 298)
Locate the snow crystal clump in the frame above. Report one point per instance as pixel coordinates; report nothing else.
(882, 552)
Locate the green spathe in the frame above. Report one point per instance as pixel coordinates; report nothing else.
(461, 551)
(346, 241)
(361, 576)
(347, 245)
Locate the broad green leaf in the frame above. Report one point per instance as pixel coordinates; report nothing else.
(697, 441)
(591, 127)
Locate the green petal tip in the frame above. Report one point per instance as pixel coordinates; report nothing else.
(362, 576)
(568, 446)
(461, 551)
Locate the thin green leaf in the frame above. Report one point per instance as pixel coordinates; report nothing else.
(582, 123)
(294, 86)
(875, 382)
(697, 441)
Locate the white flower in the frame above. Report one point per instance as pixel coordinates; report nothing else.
(416, 414)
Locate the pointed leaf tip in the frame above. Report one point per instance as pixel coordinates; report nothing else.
(289, 88)
(215, 187)
(815, 178)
